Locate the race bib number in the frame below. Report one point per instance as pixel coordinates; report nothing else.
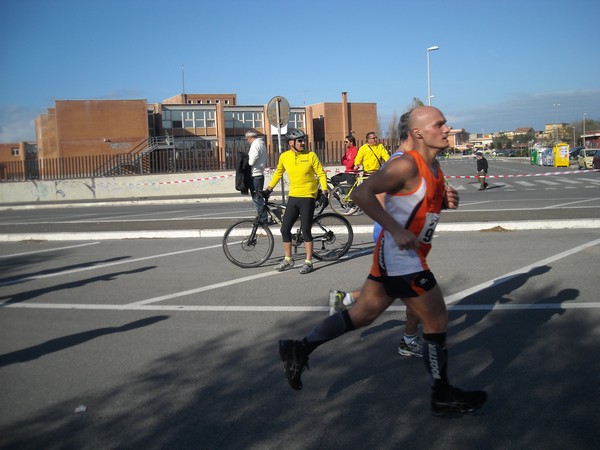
(431, 221)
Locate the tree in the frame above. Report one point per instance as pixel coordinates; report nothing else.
(416, 101)
(523, 139)
(502, 140)
(590, 125)
(392, 133)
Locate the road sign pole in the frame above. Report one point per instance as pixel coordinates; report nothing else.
(279, 142)
(278, 112)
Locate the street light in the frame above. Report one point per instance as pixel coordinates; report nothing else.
(429, 96)
(582, 136)
(556, 105)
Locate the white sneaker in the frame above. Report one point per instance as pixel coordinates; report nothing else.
(336, 301)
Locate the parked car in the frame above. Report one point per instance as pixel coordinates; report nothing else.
(596, 160)
(574, 153)
(585, 157)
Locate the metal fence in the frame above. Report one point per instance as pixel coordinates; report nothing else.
(155, 161)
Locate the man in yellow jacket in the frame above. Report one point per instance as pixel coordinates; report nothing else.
(371, 155)
(302, 167)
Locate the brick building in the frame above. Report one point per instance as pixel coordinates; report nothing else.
(205, 128)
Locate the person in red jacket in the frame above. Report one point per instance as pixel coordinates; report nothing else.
(348, 161)
(350, 155)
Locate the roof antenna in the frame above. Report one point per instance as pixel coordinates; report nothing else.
(182, 81)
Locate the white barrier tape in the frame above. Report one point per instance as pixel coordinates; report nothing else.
(187, 181)
(524, 174)
(270, 170)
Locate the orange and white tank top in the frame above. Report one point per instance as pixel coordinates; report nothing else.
(419, 212)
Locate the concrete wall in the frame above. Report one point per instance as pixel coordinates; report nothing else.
(134, 187)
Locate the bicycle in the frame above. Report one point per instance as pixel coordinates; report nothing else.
(249, 242)
(340, 198)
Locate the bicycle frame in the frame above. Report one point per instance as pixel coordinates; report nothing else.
(250, 242)
(343, 195)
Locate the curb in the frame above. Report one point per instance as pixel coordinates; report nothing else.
(157, 201)
(497, 227)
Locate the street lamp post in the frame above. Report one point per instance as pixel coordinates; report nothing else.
(583, 134)
(430, 49)
(556, 105)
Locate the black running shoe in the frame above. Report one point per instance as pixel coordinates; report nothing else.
(457, 401)
(294, 362)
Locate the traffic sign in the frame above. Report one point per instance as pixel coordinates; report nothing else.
(278, 111)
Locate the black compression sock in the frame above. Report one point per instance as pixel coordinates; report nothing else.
(435, 357)
(330, 328)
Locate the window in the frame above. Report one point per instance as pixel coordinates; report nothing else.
(172, 118)
(208, 102)
(243, 120)
(14, 151)
(297, 119)
(210, 119)
(199, 102)
(227, 102)
(188, 119)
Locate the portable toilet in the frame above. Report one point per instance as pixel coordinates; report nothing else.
(561, 154)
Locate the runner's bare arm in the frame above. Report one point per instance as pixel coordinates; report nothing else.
(397, 175)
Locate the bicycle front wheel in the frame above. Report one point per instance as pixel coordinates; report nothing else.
(248, 243)
(332, 236)
(340, 201)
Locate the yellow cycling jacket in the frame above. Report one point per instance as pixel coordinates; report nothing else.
(301, 168)
(371, 157)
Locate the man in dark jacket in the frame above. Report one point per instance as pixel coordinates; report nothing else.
(482, 170)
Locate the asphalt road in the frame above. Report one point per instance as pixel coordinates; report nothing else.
(165, 344)
(520, 192)
(162, 343)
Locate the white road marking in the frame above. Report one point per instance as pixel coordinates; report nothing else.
(144, 304)
(548, 182)
(48, 250)
(292, 309)
(101, 266)
(523, 270)
(570, 203)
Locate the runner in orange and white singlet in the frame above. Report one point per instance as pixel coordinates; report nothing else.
(419, 213)
(414, 196)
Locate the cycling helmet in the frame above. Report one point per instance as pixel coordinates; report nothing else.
(294, 134)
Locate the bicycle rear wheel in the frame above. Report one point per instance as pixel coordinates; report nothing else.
(248, 243)
(332, 236)
(340, 201)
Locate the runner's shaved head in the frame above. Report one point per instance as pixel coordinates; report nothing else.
(419, 115)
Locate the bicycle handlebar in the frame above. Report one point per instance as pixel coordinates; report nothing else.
(321, 202)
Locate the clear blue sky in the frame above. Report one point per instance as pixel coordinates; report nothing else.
(501, 64)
